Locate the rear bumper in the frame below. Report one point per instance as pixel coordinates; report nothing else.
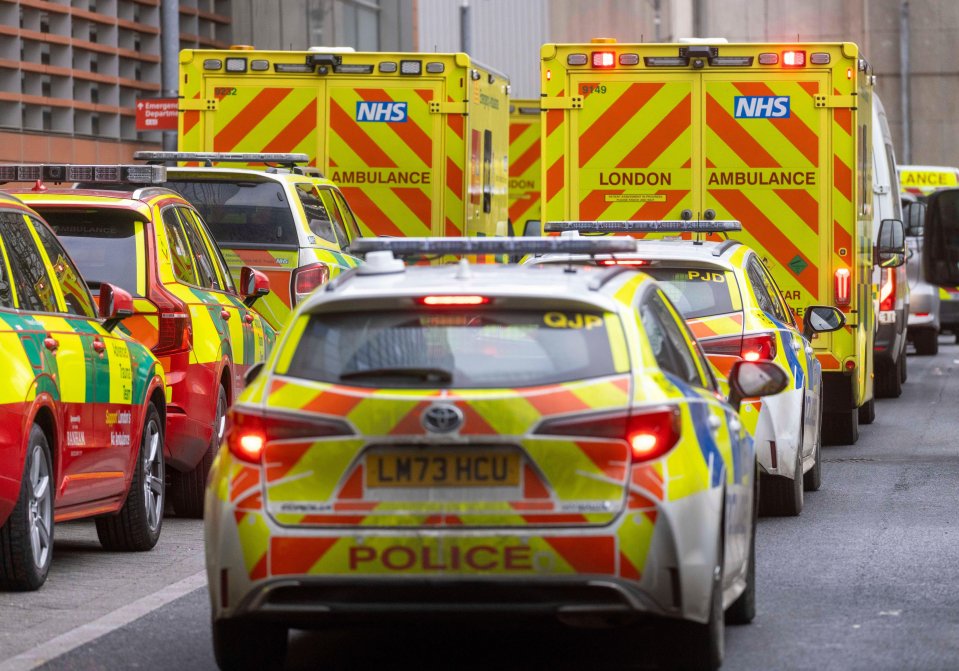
(890, 340)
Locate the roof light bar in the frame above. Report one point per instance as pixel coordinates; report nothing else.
(210, 157)
(511, 246)
(62, 172)
(668, 226)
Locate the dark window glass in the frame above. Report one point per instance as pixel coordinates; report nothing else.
(183, 268)
(102, 243)
(34, 286)
(697, 292)
(351, 228)
(317, 214)
(755, 275)
(462, 349)
(342, 238)
(666, 339)
(201, 255)
(76, 296)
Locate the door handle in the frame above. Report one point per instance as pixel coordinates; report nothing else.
(51, 343)
(797, 345)
(224, 315)
(714, 423)
(99, 346)
(248, 318)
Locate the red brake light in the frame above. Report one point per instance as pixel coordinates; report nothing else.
(623, 262)
(448, 301)
(887, 294)
(604, 59)
(308, 278)
(248, 432)
(761, 347)
(794, 59)
(649, 433)
(842, 287)
(174, 328)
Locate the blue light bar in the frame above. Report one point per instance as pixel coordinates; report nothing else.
(667, 226)
(511, 246)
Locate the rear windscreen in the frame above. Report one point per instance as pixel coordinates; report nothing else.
(240, 212)
(698, 292)
(103, 243)
(462, 348)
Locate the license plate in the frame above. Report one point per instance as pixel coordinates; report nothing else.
(887, 317)
(447, 468)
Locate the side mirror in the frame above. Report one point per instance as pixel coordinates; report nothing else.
(821, 319)
(115, 305)
(252, 372)
(891, 246)
(749, 379)
(940, 241)
(253, 285)
(913, 216)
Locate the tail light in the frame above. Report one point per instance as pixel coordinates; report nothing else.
(248, 431)
(623, 262)
(756, 347)
(650, 433)
(887, 294)
(452, 301)
(794, 59)
(308, 278)
(174, 328)
(603, 59)
(842, 287)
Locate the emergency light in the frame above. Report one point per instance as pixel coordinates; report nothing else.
(667, 226)
(480, 246)
(211, 157)
(113, 174)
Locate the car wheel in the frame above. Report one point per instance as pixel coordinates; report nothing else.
(137, 526)
(867, 413)
(187, 488)
(239, 645)
(26, 538)
(743, 609)
(812, 479)
(841, 428)
(903, 367)
(889, 381)
(927, 342)
(781, 496)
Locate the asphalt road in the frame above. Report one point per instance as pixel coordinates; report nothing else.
(866, 578)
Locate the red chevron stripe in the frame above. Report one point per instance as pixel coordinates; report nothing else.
(412, 135)
(585, 554)
(417, 202)
(455, 123)
(554, 119)
(842, 116)
(555, 178)
(248, 118)
(454, 178)
(191, 117)
(370, 214)
(842, 177)
(841, 240)
(292, 556)
(735, 136)
(294, 132)
(343, 125)
(525, 161)
(661, 137)
(591, 207)
(803, 138)
(520, 207)
(803, 204)
(612, 121)
(654, 211)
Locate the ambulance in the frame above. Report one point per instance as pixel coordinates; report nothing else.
(922, 180)
(417, 142)
(777, 136)
(524, 167)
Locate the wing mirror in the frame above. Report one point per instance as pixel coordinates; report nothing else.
(891, 248)
(821, 319)
(749, 379)
(252, 372)
(914, 215)
(115, 305)
(253, 285)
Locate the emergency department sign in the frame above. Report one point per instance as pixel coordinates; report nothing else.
(157, 113)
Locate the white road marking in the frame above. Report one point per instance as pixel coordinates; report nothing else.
(91, 631)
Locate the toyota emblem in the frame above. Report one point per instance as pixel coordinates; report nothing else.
(442, 418)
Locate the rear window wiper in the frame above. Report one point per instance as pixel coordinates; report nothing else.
(421, 373)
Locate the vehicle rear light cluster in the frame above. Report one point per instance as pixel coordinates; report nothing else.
(248, 431)
(887, 293)
(650, 433)
(174, 328)
(843, 287)
(756, 347)
(308, 278)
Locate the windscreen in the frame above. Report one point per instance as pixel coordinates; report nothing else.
(103, 243)
(698, 292)
(241, 212)
(460, 349)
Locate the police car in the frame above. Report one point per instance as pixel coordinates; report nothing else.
(518, 441)
(733, 306)
(186, 307)
(82, 407)
(286, 220)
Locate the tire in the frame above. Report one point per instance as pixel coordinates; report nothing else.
(927, 342)
(867, 413)
(743, 609)
(903, 367)
(812, 479)
(889, 381)
(26, 538)
(239, 645)
(781, 496)
(702, 646)
(187, 488)
(841, 428)
(136, 528)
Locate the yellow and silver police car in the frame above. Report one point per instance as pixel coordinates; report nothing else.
(734, 307)
(286, 220)
(519, 441)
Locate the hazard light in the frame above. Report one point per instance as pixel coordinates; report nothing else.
(667, 226)
(603, 59)
(113, 174)
(842, 287)
(211, 157)
(794, 59)
(481, 246)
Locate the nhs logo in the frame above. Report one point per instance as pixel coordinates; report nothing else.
(380, 111)
(762, 107)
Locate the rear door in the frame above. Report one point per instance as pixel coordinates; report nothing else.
(631, 156)
(766, 164)
(387, 152)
